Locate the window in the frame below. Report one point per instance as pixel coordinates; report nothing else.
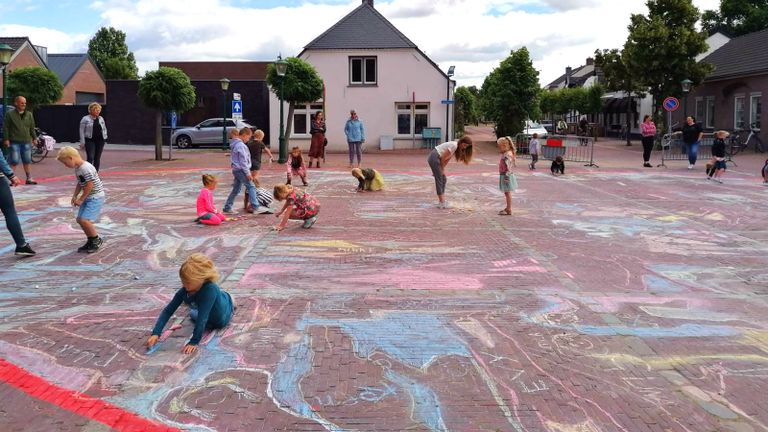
(738, 112)
(362, 71)
(755, 109)
(210, 123)
(303, 115)
(412, 118)
(700, 110)
(710, 123)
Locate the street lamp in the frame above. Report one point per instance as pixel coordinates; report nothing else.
(5, 57)
(686, 84)
(224, 87)
(281, 67)
(447, 100)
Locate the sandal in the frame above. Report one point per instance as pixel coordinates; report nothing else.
(505, 212)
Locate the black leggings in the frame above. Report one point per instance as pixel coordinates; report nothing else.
(93, 150)
(647, 148)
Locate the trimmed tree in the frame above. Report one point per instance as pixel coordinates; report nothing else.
(107, 48)
(662, 47)
(466, 108)
(39, 86)
(166, 89)
(620, 77)
(301, 84)
(509, 95)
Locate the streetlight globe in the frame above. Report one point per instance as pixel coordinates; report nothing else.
(686, 84)
(281, 66)
(6, 52)
(224, 84)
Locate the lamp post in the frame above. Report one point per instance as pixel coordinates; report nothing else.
(448, 98)
(686, 84)
(281, 67)
(224, 87)
(5, 57)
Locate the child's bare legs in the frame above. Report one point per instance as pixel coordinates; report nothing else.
(255, 175)
(508, 197)
(88, 228)
(304, 180)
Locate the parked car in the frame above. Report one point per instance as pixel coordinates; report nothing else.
(549, 126)
(531, 127)
(206, 132)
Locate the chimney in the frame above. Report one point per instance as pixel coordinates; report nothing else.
(590, 61)
(568, 72)
(369, 2)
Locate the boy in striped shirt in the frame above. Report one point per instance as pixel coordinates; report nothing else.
(89, 195)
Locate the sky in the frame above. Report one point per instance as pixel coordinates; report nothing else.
(473, 35)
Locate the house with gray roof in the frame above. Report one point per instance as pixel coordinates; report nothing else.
(731, 97)
(369, 66)
(82, 80)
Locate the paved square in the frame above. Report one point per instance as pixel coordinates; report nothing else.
(613, 299)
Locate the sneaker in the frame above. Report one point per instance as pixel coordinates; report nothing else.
(31, 182)
(719, 181)
(530, 166)
(95, 245)
(25, 250)
(263, 210)
(647, 165)
(84, 248)
(690, 166)
(229, 211)
(446, 205)
(709, 178)
(309, 222)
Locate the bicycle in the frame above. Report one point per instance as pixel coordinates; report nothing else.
(737, 144)
(41, 146)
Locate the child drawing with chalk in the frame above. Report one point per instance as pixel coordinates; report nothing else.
(210, 307)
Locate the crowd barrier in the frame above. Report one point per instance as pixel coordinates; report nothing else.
(572, 148)
(674, 149)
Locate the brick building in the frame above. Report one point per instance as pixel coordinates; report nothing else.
(82, 81)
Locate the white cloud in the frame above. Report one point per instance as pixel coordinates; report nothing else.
(473, 35)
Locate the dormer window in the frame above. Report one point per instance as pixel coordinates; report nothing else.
(362, 71)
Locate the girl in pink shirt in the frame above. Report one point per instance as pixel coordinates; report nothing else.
(648, 131)
(206, 211)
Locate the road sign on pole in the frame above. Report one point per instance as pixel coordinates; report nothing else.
(237, 109)
(670, 104)
(447, 102)
(235, 96)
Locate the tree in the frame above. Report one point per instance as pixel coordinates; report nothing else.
(736, 17)
(38, 85)
(108, 50)
(301, 84)
(509, 95)
(466, 108)
(620, 77)
(662, 48)
(166, 89)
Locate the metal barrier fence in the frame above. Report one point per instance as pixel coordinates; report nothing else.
(674, 149)
(572, 148)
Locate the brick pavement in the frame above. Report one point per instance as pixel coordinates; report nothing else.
(614, 299)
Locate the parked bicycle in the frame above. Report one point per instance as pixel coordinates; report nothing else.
(42, 146)
(739, 142)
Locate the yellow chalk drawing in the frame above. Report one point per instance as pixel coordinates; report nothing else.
(586, 426)
(671, 218)
(756, 338)
(666, 362)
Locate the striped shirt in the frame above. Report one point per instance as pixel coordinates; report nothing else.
(87, 173)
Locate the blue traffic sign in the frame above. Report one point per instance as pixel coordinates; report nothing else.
(173, 119)
(670, 104)
(447, 102)
(237, 107)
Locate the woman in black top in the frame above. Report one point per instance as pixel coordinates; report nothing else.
(93, 134)
(692, 134)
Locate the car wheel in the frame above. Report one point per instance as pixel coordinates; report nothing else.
(183, 141)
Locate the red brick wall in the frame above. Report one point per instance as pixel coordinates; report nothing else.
(86, 79)
(26, 57)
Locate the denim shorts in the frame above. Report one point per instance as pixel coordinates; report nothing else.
(21, 152)
(90, 209)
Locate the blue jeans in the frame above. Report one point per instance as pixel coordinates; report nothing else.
(693, 152)
(21, 151)
(9, 211)
(355, 149)
(241, 180)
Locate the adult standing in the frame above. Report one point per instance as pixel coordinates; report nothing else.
(19, 134)
(93, 134)
(317, 145)
(439, 158)
(692, 135)
(648, 132)
(8, 179)
(355, 132)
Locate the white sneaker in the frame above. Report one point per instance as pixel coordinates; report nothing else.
(263, 210)
(690, 166)
(719, 181)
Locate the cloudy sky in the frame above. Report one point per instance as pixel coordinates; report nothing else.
(473, 35)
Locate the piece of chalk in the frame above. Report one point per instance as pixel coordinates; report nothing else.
(153, 348)
(136, 277)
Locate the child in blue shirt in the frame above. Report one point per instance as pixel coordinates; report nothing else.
(210, 307)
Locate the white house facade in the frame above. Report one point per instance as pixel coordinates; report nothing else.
(368, 66)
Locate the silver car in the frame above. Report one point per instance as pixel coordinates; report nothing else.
(206, 132)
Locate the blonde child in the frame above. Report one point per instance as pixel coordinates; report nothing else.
(89, 195)
(206, 210)
(257, 148)
(507, 179)
(299, 205)
(210, 307)
(368, 179)
(718, 156)
(296, 166)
